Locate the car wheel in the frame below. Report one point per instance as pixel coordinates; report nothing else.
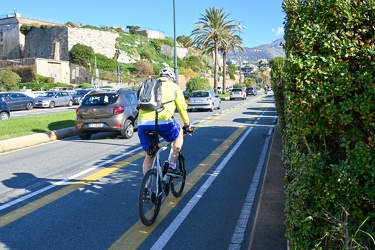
(218, 107)
(212, 108)
(29, 106)
(70, 103)
(52, 105)
(188, 110)
(128, 130)
(4, 116)
(84, 135)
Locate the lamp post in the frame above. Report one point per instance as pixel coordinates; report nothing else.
(175, 43)
(240, 26)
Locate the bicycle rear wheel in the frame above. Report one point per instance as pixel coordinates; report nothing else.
(148, 201)
(178, 183)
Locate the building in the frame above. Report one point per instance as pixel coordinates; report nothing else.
(15, 50)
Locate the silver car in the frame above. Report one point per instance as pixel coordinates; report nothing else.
(51, 99)
(107, 111)
(237, 93)
(203, 99)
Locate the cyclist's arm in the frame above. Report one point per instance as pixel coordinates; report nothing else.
(181, 106)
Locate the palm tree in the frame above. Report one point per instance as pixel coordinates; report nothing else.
(209, 31)
(230, 43)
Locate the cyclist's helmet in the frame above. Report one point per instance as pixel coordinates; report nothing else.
(167, 72)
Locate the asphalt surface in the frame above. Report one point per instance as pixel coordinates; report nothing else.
(268, 231)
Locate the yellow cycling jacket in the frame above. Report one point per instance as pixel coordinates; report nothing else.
(169, 91)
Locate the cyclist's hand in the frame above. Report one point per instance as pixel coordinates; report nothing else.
(188, 129)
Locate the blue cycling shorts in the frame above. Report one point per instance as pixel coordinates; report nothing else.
(169, 131)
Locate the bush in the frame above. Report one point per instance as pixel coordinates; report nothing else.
(198, 84)
(143, 69)
(329, 151)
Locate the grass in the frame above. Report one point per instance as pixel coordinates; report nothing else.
(21, 126)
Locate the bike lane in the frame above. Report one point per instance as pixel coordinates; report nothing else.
(114, 193)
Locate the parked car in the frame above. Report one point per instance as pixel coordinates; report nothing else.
(107, 111)
(219, 90)
(237, 93)
(203, 99)
(53, 99)
(78, 95)
(18, 101)
(4, 109)
(67, 88)
(251, 91)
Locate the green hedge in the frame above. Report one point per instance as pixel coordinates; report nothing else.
(329, 152)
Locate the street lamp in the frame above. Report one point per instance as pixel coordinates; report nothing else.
(175, 43)
(240, 26)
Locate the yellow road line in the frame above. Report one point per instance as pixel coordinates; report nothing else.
(134, 237)
(35, 205)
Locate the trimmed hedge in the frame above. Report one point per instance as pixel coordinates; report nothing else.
(329, 151)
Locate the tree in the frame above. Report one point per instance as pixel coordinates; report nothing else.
(9, 79)
(133, 29)
(143, 69)
(81, 54)
(197, 83)
(228, 43)
(210, 30)
(185, 41)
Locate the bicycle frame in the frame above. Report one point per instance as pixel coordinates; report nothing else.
(156, 164)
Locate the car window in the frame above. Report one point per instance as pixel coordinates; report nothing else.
(64, 94)
(131, 98)
(80, 92)
(199, 94)
(236, 89)
(100, 99)
(47, 94)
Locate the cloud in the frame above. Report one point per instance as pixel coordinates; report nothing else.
(278, 31)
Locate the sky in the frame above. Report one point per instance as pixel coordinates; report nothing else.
(261, 21)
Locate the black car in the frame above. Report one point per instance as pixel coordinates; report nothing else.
(251, 91)
(18, 101)
(4, 109)
(78, 95)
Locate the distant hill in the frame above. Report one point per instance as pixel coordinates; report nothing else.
(266, 51)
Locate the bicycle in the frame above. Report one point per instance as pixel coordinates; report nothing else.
(157, 183)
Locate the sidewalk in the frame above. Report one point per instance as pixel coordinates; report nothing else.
(269, 228)
(34, 139)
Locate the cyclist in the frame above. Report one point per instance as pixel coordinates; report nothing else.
(168, 127)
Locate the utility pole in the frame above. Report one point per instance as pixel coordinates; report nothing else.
(240, 26)
(175, 42)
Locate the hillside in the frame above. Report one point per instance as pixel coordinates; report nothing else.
(266, 51)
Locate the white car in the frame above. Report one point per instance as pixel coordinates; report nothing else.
(237, 93)
(203, 99)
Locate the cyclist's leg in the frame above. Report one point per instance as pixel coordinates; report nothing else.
(177, 145)
(145, 142)
(172, 132)
(147, 163)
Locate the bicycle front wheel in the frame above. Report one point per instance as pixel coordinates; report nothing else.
(148, 201)
(178, 183)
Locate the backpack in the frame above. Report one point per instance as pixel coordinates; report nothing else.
(149, 95)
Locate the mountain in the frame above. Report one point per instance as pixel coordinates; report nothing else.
(266, 51)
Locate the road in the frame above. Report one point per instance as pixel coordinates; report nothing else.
(75, 194)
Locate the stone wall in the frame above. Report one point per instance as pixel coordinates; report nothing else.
(103, 42)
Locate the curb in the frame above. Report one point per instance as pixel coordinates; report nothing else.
(30, 140)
